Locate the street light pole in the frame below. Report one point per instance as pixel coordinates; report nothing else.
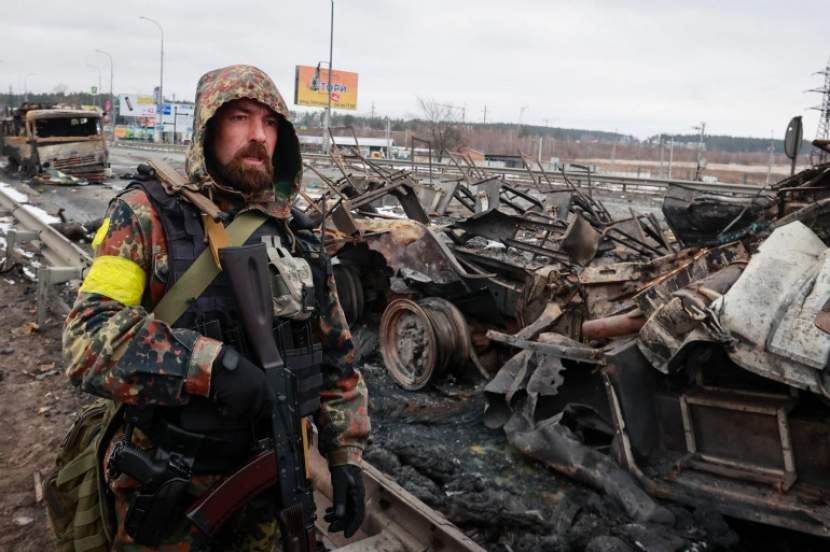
(157, 135)
(97, 90)
(26, 87)
(327, 118)
(700, 161)
(112, 100)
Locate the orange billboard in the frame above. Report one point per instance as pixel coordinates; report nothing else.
(310, 84)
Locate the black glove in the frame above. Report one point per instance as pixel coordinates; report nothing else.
(347, 513)
(239, 384)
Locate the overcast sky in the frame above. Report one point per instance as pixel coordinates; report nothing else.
(638, 66)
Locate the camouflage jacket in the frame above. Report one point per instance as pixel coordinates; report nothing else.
(114, 348)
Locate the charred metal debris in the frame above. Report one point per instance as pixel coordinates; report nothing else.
(685, 361)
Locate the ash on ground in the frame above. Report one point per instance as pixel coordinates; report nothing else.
(433, 442)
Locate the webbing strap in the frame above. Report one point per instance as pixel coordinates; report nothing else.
(202, 272)
(86, 517)
(88, 543)
(87, 487)
(77, 467)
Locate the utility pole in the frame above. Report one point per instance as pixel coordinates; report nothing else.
(702, 129)
(327, 116)
(158, 133)
(112, 99)
(485, 114)
(819, 155)
(388, 140)
(661, 154)
(519, 124)
(771, 156)
(26, 87)
(614, 150)
(671, 154)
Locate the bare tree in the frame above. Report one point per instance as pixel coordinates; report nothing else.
(443, 124)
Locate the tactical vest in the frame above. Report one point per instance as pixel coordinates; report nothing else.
(214, 314)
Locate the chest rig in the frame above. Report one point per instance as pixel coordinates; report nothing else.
(299, 285)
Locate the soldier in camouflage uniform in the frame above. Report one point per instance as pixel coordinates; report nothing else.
(244, 155)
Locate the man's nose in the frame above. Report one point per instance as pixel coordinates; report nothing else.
(257, 131)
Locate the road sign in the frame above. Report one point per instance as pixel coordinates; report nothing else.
(793, 137)
(94, 90)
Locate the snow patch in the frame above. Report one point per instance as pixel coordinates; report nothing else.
(391, 212)
(41, 215)
(12, 193)
(498, 246)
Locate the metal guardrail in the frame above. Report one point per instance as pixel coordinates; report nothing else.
(601, 181)
(148, 146)
(67, 259)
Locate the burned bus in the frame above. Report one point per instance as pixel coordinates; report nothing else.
(37, 138)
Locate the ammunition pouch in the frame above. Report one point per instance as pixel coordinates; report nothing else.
(303, 358)
(292, 283)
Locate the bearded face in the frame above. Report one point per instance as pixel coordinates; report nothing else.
(243, 176)
(240, 145)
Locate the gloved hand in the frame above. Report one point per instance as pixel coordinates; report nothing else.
(239, 384)
(349, 509)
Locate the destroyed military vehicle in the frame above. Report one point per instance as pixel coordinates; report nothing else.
(38, 138)
(689, 365)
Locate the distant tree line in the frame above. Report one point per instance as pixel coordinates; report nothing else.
(67, 98)
(434, 119)
(735, 144)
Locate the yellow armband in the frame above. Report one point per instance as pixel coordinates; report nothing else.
(117, 278)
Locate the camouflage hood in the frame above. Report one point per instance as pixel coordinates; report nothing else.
(221, 86)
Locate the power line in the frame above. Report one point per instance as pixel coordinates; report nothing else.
(819, 156)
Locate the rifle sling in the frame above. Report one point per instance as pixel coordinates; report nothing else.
(203, 271)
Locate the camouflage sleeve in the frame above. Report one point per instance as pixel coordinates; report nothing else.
(112, 346)
(343, 419)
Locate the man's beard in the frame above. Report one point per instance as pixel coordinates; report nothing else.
(244, 177)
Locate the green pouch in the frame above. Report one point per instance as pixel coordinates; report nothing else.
(292, 283)
(76, 493)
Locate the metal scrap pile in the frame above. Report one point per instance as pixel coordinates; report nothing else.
(689, 365)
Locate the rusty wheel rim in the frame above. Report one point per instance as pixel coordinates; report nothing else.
(451, 330)
(408, 344)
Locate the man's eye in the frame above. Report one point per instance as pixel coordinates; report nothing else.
(271, 122)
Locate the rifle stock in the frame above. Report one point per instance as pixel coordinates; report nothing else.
(248, 271)
(232, 492)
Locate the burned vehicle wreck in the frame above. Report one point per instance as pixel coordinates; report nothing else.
(39, 139)
(724, 392)
(688, 366)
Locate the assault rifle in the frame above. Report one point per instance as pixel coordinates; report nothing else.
(283, 463)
